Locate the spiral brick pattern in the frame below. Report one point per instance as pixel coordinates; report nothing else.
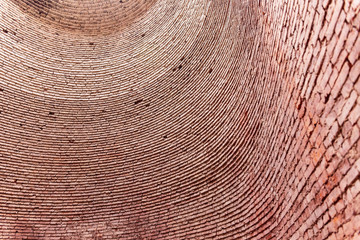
(165, 119)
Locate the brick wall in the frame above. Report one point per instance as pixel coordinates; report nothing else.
(179, 119)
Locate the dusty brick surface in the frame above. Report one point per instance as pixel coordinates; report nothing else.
(171, 119)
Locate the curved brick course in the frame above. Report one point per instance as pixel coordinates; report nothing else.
(170, 119)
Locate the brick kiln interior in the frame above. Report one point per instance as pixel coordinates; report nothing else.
(164, 119)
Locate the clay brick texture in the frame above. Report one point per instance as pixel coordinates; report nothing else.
(164, 119)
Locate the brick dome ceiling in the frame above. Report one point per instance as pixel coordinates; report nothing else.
(86, 16)
(194, 119)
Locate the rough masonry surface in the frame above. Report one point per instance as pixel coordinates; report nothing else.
(165, 119)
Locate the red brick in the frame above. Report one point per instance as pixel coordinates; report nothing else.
(340, 80)
(337, 9)
(340, 43)
(347, 107)
(355, 71)
(355, 51)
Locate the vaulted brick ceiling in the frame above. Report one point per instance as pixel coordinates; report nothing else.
(166, 119)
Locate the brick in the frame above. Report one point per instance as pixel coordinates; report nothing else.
(332, 134)
(345, 166)
(348, 228)
(355, 114)
(354, 135)
(350, 176)
(349, 212)
(355, 71)
(325, 79)
(332, 45)
(357, 86)
(340, 43)
(339, 205)
(340, 233)
(357, 165)
(340, 80)
(340, 23)
(337, 9)
(333, 196)
(350, 14)
(347, 88)
(347, 107)
(341, 59)
(354, 53)
(332, 236)
(350, 41)
(356, 222)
